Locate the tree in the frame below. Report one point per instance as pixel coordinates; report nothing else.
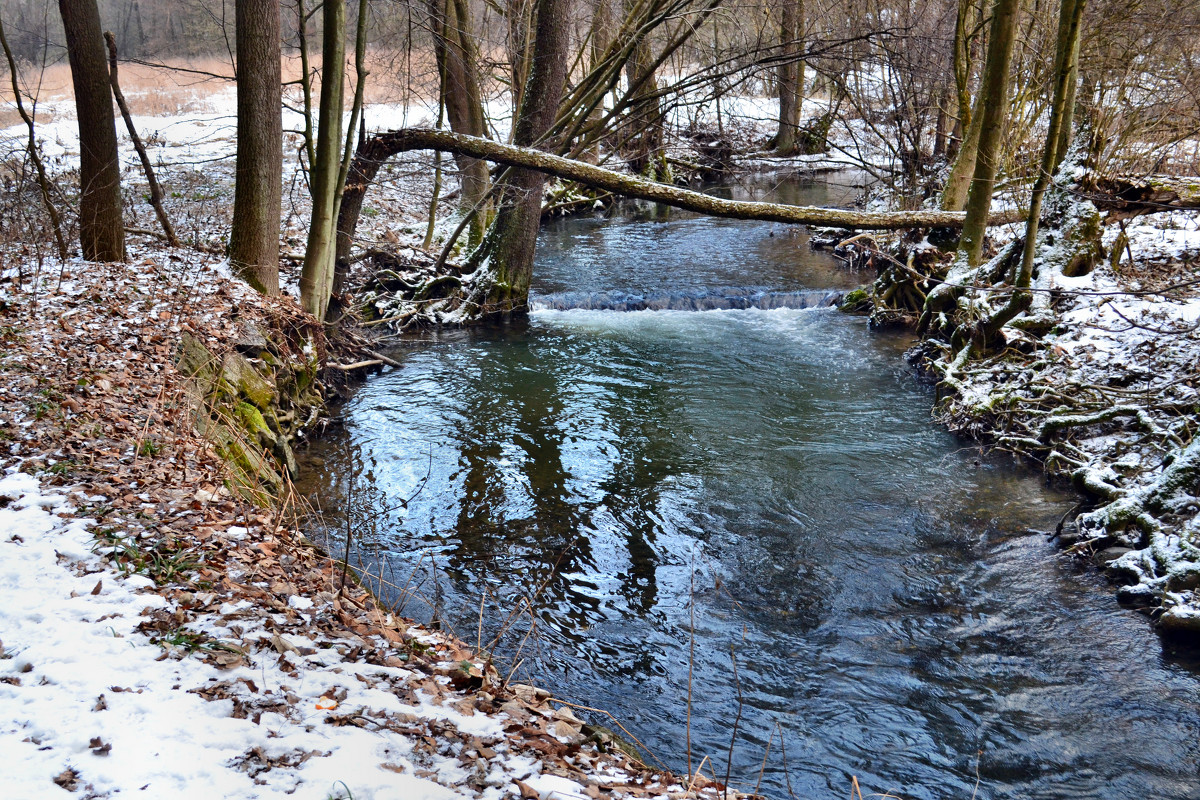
(101, 228)
(508, 247)
(257, 197)
(993, 102)
(458, 63)
(954, 195)
(316, 278)
(645, 141)
(790, 75)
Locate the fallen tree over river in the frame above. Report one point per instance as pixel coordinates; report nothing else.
(479, 298)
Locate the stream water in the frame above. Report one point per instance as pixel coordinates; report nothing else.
(674, 491)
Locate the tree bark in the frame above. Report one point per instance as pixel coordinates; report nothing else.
(458, 62)
(508, 247)
(316, 276)
(1069, 24)
(790, 75)
(376, 150)
(258, 192)
(954, 195)
(644, 124)
(101, 228)
(993, 102)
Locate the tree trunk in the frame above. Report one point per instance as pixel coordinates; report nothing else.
(644, 125)
(520, 53)
(940, 132)
(991, 113)
(954, 195)
(257, 195)
(101, 228)
(316, 277)
(600, 40)
(1068, 104)
(1069, 25)
(458, 61)
(789, 76)
(508, 247)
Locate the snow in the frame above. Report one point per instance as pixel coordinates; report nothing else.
(93, 701)
(76, 671)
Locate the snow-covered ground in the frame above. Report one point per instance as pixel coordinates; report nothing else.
(242, 703)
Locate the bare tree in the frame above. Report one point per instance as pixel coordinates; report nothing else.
(316, 278)
(101, 229)
(509, 244)
(254, 238)
(790, 74)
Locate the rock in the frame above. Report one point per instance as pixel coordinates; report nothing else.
(283, 452)
(1181, 621)
(252, 342)
(197, 364)
(241, 379)
(254, 424)
(1183, 580)
(1110, 554)
(1139, 596)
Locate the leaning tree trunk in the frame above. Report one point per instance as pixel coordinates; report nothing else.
(993, 96)
(101, 228)
(257, 194)
(507, 249)
(316, 276)
(374, 152)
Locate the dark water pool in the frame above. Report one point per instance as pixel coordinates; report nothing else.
(673, 490)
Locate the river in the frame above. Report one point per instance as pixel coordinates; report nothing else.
(754, 497)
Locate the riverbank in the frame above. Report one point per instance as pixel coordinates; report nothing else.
(1102, 388)
(160, 632)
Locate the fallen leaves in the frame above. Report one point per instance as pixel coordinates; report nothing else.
(68, 779)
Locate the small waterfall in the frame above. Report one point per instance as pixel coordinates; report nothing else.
(693, 300)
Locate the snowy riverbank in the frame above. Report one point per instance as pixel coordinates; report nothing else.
(1108, 398)
(160, 634)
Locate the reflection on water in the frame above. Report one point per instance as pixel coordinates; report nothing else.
(891, 601)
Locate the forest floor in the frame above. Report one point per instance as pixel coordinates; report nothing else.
(159, 634)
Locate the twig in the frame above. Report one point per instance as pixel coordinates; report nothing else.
(156, 192)
(737, 720)
(375, 362)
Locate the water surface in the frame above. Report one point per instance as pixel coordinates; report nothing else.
(756, 492)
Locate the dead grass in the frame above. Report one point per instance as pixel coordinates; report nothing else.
(188, 85)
